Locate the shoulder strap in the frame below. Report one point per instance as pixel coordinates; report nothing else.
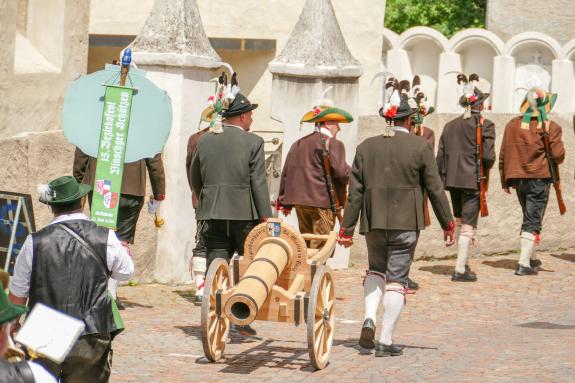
(90, 249)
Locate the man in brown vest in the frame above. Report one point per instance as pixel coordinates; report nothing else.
(389, 175)
(304, 182)
(457, 164)
(525, 166)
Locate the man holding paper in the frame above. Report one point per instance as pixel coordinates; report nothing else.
(66, 266)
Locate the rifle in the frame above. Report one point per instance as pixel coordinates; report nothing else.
(553, 169)
(335, 206)
(482, 177)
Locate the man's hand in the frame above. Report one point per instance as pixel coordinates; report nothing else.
(506, 190)
(153, 205)
(449, 234)
(279, 207)
(343, 239)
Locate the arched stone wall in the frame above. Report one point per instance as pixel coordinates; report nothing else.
(502, 66)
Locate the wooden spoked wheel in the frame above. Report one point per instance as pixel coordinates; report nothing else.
(320, 318)
(215, 328)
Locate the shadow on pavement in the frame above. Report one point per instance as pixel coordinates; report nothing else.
(439, 269)
(234, 337)
(509, 264)
(565, 257)
(188, 295)
(546, 326)
(129, 304)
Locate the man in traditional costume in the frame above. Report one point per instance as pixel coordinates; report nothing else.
(458, 167)
(305, 184)
(389, 175)
(525, 165)
(228, 174)
(212, 115)
(66, 266)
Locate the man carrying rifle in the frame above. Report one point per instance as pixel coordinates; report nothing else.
(465, 155)
(528, 162)
(315, 174)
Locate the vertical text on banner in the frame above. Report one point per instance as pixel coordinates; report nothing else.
(111, 153)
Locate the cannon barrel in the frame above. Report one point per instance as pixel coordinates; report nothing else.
(256, 284)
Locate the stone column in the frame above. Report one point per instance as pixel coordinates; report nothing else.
(447, 89)
(562, 83)
(174, 51)
(315, 57)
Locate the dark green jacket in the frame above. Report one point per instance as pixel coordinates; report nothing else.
(228, 176)
(387, 181)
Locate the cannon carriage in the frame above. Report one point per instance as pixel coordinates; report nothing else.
(278, 279)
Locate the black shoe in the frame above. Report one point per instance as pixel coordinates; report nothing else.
(246, 330)
(522, 270)
(467, 276)
(412, 285)
(198, 300)
(119, 304)
(535, 263)
(367, 334)
(391, 350)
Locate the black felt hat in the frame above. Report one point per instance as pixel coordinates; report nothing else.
(240, 105)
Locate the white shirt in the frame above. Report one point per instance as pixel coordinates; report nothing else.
(117, 257)
(324, 131)
(401, 129)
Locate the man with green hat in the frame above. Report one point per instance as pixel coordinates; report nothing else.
(66, 266)
(459, 163)
(305, 183)
(525, 165)
(389, 176)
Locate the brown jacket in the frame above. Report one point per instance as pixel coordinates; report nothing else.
(387, 182)
(134, 178)
(303, 176)
(428, 134)
(192, 144)
(522, 153)
(456, 155)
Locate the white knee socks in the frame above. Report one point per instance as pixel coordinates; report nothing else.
(373, 289)
(199, 273)
(527, 249)
(393, 302)
(465, 237)
(112, 287)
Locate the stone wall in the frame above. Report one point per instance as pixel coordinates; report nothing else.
(38, 64)
(510, 17)
(35, 158)
(499, 232)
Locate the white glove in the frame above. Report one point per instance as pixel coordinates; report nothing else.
(153, 205)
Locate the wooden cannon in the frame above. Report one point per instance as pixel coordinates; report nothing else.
(278, 279)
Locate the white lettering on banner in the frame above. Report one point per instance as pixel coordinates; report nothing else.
(105, 143)
(117, 154)
(123, 110)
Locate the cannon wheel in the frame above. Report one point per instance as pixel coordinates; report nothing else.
(215, 327)
(320, 318)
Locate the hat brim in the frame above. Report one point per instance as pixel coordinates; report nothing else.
(548, 107)
(83, 189)
(12, 312)
(399, 115)
(479, 100)
(329, 114)
(237, 112)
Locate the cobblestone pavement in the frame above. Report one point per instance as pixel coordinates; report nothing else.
(503, 328)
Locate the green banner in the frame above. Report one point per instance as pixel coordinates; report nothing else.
(111, 153)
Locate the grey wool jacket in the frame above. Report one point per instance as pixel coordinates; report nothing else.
(228, 176)
(388, 178)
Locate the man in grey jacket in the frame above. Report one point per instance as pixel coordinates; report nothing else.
(228, 176)
(389, 176)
